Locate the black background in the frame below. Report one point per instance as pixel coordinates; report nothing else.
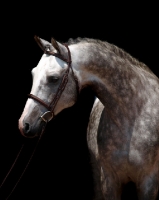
(60, 167)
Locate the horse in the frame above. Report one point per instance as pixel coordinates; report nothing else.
(123, 129)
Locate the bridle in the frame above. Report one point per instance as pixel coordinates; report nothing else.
(48, 115)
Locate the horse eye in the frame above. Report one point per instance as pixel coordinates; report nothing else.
(52, 79)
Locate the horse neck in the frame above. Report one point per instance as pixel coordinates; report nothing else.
(114, 80)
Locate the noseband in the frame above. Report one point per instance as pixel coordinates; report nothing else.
(48, 115)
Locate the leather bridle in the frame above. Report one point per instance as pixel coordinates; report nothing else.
(48, 115)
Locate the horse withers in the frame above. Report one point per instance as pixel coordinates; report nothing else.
(123, 131)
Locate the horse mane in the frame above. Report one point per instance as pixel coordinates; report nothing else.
(113, 48)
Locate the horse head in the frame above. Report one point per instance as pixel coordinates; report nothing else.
(54, 87)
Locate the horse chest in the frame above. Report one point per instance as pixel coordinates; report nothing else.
(129, 147)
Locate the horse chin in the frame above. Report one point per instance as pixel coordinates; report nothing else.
(30, 136)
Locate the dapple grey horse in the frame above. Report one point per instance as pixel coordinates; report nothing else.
(123, 131)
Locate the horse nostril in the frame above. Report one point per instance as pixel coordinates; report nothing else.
(27, 128)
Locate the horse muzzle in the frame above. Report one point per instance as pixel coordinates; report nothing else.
(31, 130)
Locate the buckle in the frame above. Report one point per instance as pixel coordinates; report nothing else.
(47, 116)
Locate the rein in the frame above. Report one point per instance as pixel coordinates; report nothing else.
(4, 180)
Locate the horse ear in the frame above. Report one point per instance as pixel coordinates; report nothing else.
(55, 45)
(61, 49)
(43, 44)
